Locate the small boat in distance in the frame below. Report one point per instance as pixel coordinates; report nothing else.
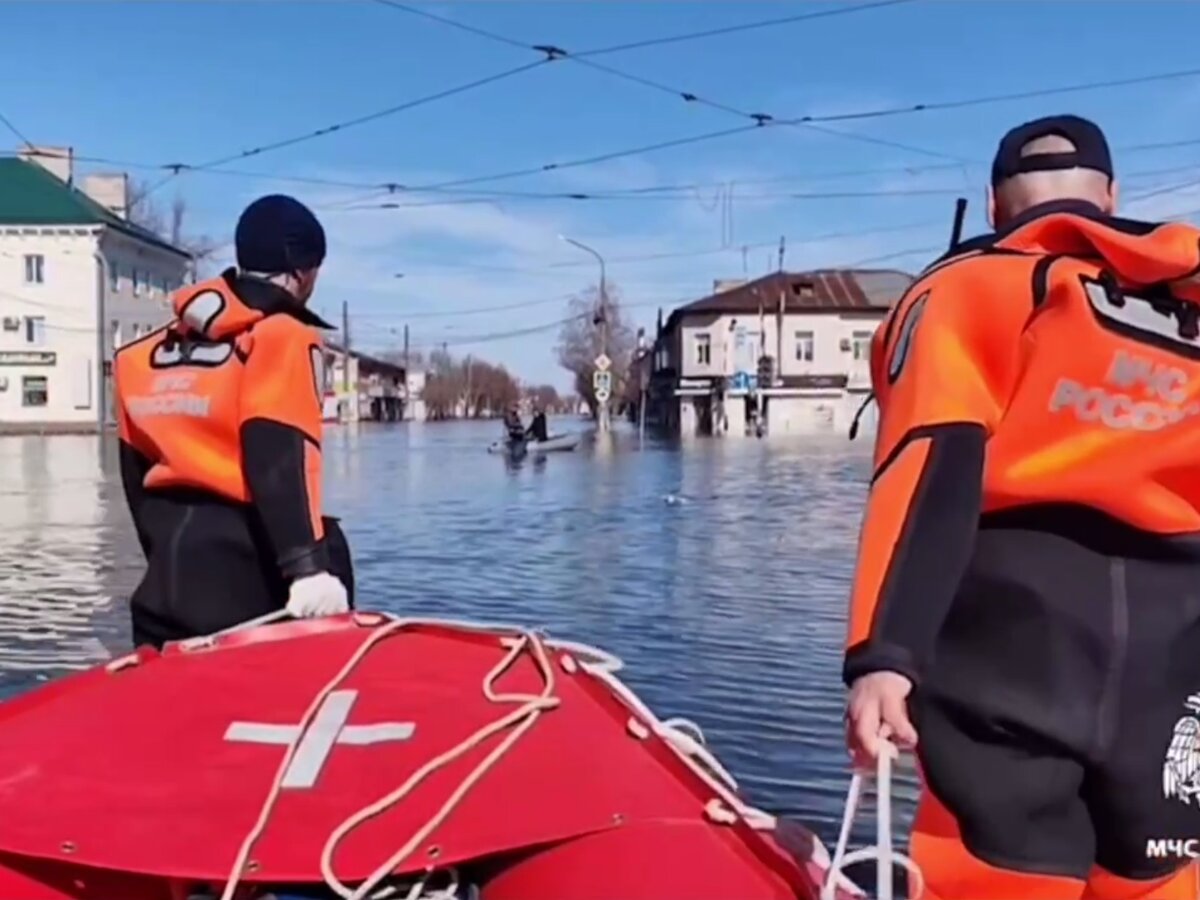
(555, 443)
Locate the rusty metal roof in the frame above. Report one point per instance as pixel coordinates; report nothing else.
(821, 290)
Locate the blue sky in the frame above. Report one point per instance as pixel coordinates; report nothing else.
(163, 82)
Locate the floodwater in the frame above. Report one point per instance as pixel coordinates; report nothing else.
(719, 571)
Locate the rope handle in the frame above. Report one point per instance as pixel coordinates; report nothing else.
(883, 852)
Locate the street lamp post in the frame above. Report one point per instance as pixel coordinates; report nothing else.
(602, 411)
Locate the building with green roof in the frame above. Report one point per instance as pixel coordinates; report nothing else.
(77, 279)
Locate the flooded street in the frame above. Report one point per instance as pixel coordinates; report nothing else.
(719, 572)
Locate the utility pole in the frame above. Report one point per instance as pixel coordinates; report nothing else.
(346, 356)
(406, 350)
(345, 346)
(779, 320)
(604, 408)
(603, 422)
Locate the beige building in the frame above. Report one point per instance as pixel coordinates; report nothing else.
(359, 387)
(77, 280)
(784, 354)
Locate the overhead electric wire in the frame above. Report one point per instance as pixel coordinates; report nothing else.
(867, 114)
(550, 54)
(758, 118)
(350, 123)
(490, 337)
(804, 240)
(587, 160)
(397, 188)
(659, 41)
(803, 195)
(7, 123)
(553, 53)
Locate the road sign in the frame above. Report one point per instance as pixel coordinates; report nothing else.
(602, 363)
(602, 381)
(602, 395)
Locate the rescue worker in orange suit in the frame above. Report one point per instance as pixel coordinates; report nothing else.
(219, 420)
(1026, 602)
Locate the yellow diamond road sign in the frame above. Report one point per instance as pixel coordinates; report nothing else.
(603, 362)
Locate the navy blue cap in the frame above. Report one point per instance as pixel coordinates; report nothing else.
(1091, 148)
(278, 234)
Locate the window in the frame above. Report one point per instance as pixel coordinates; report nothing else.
(804, 346)
(805, 290)
(137, 330)
(137, 282)
(114, 277)
(862, 345)
(35, 268)
(703, 349)
(35, 330)
(34, 391)
(115, 328)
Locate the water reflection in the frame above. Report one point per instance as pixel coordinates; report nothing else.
(718, 571)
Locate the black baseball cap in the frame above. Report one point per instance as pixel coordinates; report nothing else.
(1091, 148)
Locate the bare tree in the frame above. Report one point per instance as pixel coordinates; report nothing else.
(581, 340)
(471, 387)
(145, 212)
(545, 396)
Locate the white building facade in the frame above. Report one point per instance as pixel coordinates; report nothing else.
(77, 280)
(816, 328)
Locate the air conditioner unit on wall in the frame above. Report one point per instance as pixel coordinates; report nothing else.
(12, 323)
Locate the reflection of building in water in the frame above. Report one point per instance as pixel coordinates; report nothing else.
(59, 585)
(77, 280)
(785, 354)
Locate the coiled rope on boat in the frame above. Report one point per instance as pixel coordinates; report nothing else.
(683, 737)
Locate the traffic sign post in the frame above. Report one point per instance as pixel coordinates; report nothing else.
(602, 388)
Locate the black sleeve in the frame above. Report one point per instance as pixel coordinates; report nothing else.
(273, 456)
(134, 467)
(930, 557)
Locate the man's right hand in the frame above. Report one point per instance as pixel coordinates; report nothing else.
(875, 712)
(317, 595)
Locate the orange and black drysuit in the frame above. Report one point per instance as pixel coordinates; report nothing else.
(1030, 553)
(219, 420)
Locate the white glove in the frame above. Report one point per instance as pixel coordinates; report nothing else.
(316, 595)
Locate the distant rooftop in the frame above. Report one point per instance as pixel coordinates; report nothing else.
(821, 290)
(32, 195)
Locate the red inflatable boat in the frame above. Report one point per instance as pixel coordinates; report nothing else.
(365, 757)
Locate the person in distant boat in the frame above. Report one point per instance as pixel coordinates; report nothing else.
(1026, 600)
(219, 422)
(513, 424)
(537, 428)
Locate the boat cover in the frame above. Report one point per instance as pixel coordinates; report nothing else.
(258, 752)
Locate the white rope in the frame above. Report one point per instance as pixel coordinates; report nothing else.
(523, 718)
(526, 715)
(603, 666)
(884, 853)
(210, 640)
(682, 736)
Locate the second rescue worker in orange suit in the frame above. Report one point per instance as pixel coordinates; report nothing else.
(1029, 560)
(219, 417)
